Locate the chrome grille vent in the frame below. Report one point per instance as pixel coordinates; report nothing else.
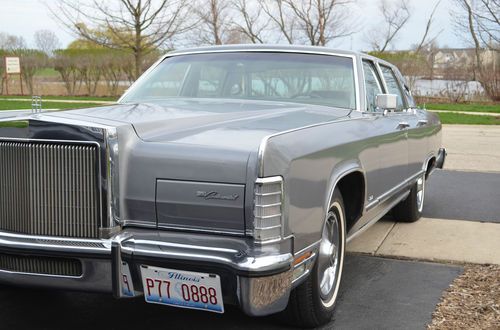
(49, 189)
(41, 265)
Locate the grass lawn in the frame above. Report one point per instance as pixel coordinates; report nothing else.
(26, 105)
(77, 98)
(468, 107)
(456, 118)
(47, 72)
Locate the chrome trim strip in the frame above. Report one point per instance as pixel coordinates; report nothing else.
(10, 272)
(52, 238)
(372, 204)
(50, 141)
(30, 246)
(201, 230)
(270, 179)
(376, 218)
(112, 168)
(141, 224)
(268, 216)
(268, 194)
(267, 228)
(273, 241)
(382, 198)
(180, 245)
(268, 205)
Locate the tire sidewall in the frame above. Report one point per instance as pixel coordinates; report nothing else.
(326, 308)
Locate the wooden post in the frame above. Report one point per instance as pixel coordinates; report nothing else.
(21, 82)
(7, 83)
(6, 75)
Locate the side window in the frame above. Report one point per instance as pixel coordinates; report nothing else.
(406, 90)
(372, 84)
(393, 86)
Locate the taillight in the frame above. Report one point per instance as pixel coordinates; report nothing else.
(268, 209)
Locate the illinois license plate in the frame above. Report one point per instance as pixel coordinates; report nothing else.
(182, 289)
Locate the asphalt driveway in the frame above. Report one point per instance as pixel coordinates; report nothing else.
(459, 195)
(376, 293)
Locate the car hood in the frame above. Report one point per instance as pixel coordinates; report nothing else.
(223, 123)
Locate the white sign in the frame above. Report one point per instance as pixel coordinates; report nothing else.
(12, 65)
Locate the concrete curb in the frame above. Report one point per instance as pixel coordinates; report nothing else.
(436, 240)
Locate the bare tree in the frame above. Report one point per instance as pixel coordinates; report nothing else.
(322, 21)
(426, 49)
(395, 16)
(90, 68)
(280, 17)
(314, 22)
(250, 21)
(464, 20)
(10, 42)
(426, 40)
(65, 62)
(478, 20)
(139, 26)
(214, 21)
(487, 17)
(31, 62)
(112, 73)
(47, 41)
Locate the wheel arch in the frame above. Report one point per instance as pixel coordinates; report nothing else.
(429, 165)
(350, 180)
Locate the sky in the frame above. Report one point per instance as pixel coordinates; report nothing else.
(25, 17)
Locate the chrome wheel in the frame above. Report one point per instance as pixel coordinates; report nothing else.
(420, 193)
(330, 255)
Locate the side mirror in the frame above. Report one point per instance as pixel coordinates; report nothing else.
(387, 101)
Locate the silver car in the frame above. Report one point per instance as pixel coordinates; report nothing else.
(224, 175)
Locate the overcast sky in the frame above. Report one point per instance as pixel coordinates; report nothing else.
(24, 17)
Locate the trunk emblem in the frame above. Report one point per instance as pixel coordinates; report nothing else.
(216, 195)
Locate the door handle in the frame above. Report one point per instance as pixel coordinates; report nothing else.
(403, 125)
(422, 122)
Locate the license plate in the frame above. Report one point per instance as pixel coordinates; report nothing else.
(182, 289)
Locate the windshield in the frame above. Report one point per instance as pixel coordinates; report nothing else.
(303, 78)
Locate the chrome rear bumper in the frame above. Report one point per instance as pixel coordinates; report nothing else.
(257, 278)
